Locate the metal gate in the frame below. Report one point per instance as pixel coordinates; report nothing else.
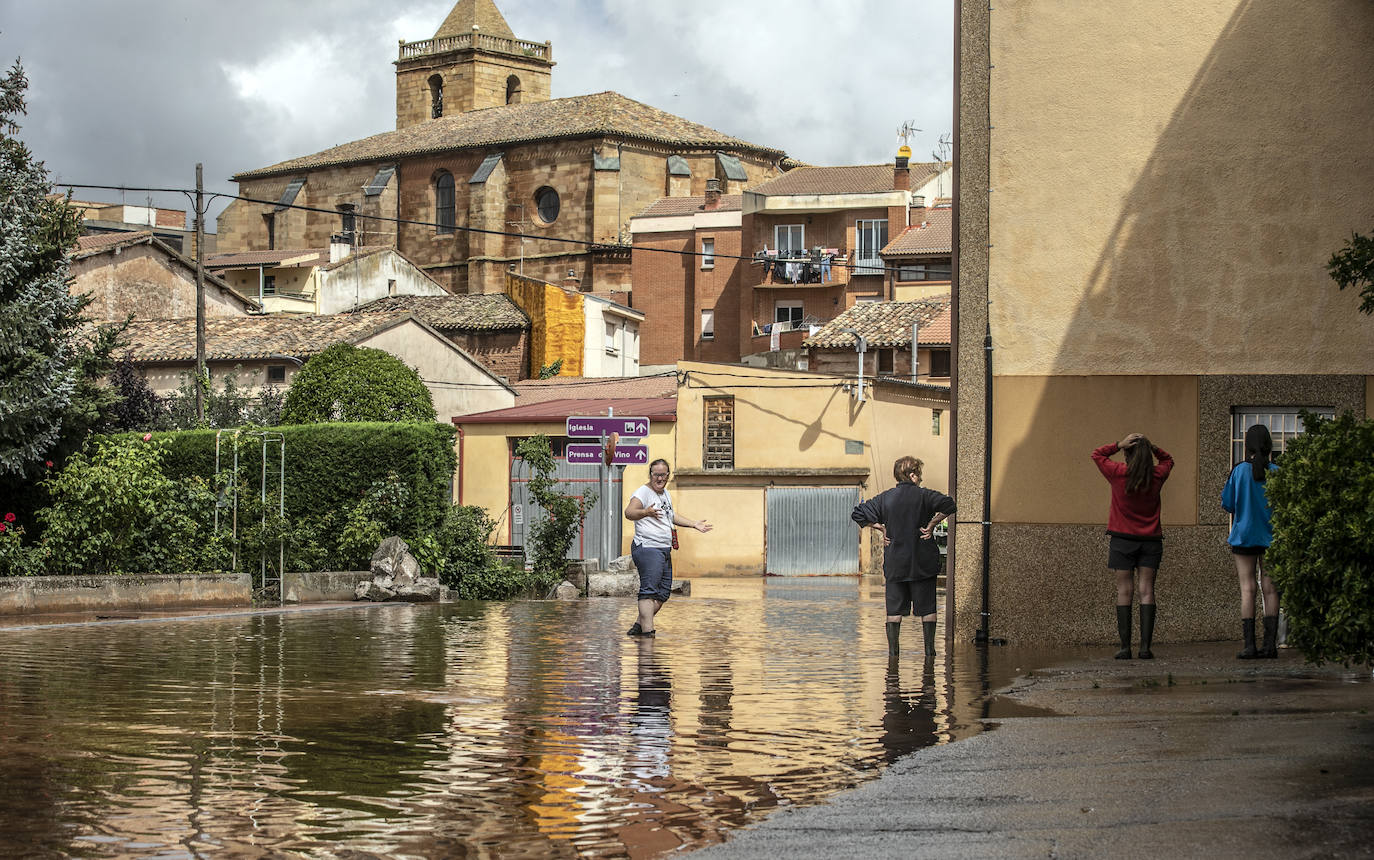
(810, 532)
(574, 480)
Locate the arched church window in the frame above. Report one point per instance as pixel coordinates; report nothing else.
(436, 96)
(513, 90)
(546, 200)
(443, 202)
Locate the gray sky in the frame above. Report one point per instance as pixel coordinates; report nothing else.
(135, 92)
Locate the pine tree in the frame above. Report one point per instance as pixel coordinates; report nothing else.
(41, 361)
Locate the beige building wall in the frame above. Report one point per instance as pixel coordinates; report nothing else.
(1213, 172)
(458, 384)
(362, 278)
(147, 284)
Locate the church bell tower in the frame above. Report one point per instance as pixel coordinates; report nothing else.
(474, 61)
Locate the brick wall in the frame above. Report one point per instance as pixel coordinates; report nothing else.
(504, 353)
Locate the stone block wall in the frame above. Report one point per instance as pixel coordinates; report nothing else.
(242, 226)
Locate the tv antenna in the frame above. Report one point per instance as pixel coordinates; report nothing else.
(907, 131)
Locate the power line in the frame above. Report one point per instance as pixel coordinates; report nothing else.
(584, 243)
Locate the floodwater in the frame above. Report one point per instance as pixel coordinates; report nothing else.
(527, 729)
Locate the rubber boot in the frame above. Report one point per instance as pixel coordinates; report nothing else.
(1271, 637)
(1147, 631)
(928, 628)
(1123, 630)
(1247, 626)
(894, 638)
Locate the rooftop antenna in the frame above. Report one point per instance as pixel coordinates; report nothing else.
(941, 154)
(907, 131)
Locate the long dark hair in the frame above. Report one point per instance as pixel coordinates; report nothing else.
(1259, 449)
(1140, 466)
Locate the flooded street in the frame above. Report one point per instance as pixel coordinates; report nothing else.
(466, 729)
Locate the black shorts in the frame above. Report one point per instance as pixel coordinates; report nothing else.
(1125, 553)
(1256, 551)
(916, 597)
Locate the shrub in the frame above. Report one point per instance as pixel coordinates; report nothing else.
(551, 536)
(348, 383)
(1322, 558)
(114, 511)
(458, 550)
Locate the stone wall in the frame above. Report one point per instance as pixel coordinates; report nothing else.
(50, 594)
(147, 284)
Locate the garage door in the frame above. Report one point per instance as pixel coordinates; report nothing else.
(810, 532)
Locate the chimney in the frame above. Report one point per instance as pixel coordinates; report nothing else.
(572, 281)
(340, 246)
(712, 194)
(901, 173)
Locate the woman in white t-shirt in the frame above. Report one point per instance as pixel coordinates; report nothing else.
(651, 510)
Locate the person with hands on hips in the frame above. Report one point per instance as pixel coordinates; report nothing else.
(651, 510)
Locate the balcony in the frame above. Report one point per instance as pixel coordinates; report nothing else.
(829, 268)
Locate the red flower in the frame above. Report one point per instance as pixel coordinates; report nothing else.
(147, 437)
(9, 518)
(2, 528)
(48, 463)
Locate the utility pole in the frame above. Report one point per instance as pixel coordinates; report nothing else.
(200, 294)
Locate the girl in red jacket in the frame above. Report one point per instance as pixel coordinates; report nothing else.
(1137, 541)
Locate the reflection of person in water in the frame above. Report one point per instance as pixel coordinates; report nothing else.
(908, 718)
(651, 723)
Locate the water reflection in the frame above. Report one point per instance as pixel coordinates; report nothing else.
(526, 729)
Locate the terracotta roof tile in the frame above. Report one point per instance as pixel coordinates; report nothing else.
(885, 324)
(98, 242)
(569, 387)
(690, 206)
(653, 408)
(254, 337)
(470, 312)
(932, 237)
(853, 179)
(597, 115)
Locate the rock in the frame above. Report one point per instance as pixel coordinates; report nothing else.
(424, 590)
(604, 584)
(387, 560)
(368, 589)
(623, 564)
(566, 591)
(681, 586)
(578, 571)
(409, 572)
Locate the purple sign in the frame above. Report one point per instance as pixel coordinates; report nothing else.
(596, 426)
(625, 455)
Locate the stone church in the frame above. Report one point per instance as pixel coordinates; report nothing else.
(481, 151)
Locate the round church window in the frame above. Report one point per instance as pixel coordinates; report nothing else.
(547, 201)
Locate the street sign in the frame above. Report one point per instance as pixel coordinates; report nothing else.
(596, 426)
(625, 455)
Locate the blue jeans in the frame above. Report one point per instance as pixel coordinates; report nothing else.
(655, 567)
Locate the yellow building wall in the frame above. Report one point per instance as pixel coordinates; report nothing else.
(1045, 428)
(557, 323)
(1169, 180)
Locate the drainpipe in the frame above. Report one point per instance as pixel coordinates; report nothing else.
(860, 346)
(462, 461)
(915, 349)
(982, 637)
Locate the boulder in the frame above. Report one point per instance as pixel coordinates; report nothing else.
(423, 590)
(387, 560)
(368, 589)
(566, 591)
(623, 564)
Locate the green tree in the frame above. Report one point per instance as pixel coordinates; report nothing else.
(1322, 558)
(40, 361)
(349, 383)
(114, 510)
(1353, 266)
(552, 536)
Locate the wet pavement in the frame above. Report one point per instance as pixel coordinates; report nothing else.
(526, 729)
(1194, 754)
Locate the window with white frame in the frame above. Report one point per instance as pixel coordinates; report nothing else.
(708, 253)
(870, 237)
(708, 325)
(788, 315)
(611, 329)
(935, 415)
(1283, 423)
(789, 238)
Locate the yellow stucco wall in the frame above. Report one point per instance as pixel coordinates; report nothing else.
(1045, 428)
(1168, 181)
(557, 323)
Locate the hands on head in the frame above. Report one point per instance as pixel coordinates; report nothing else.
(1130, 441)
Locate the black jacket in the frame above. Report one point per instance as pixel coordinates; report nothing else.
(904, 510)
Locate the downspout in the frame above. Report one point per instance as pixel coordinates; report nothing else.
(462, 461)
(982, 637)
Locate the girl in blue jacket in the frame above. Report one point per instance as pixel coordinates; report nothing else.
(1243, 497)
